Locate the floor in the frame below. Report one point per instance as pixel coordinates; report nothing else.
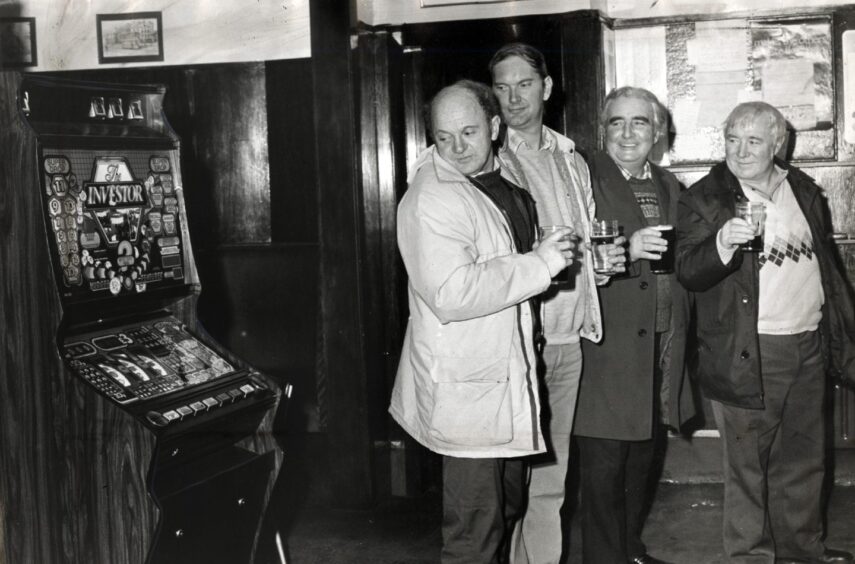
(683, 525)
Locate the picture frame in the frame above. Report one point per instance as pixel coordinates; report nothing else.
(18, 42)
(130, 38)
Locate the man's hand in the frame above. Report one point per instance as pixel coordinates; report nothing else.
(556, 250)
(734, 233)
(617, 255)
(647, 243)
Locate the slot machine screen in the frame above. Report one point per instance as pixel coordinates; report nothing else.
(114, 220)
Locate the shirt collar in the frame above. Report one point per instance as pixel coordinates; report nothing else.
(645, 172)
(517, 141)
(780, 175)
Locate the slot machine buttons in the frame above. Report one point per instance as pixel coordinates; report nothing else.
(198, 407)
(97, 108)
(54, 206)
(115, 286)
(159, 164)
(90, 240)
(70, 205)
(135, 110)
(57, 165)
(62, 247)
(171, 415)
(114, 108)
(58, 223)
(170, 205)
(156, 192)
(235, 394)
(223, 398)
(71, 222)
(210, 402)
(72, 274)
(184, 411)
(169, 223)
(247, 389)
(60, 236)
(166, 182)
(59, 185)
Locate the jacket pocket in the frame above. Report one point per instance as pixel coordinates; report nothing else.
(471, 401)
(472, 413)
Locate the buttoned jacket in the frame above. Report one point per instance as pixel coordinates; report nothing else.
(618, 395)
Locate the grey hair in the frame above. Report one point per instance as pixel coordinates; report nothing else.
(751, 112)
(659, 120)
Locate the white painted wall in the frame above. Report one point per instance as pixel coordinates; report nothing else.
(195, 31)
(378, 12)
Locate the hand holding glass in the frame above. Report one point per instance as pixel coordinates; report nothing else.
(603, 235)
(755, 214)
(564, 277)
(665, 263)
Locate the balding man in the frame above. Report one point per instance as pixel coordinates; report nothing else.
(466, 386)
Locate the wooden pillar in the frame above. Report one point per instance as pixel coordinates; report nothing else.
(342, 374)
(583, 73)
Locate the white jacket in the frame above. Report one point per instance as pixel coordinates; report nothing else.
(466, 384)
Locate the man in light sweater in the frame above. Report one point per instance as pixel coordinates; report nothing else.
(770, 325)
(546, 163)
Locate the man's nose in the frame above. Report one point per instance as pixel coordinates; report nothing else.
(514, 95)
(459, 145)
(743, 149)
(627, 130)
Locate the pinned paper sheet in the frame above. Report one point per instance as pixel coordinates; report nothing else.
(849, 86)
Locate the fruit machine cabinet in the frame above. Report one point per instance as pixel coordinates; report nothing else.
(126, 434)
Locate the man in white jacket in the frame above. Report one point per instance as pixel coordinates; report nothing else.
(466, 386)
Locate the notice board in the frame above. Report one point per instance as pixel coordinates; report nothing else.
(701, 70)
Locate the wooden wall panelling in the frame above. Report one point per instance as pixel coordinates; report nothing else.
(342, 378)
(291, 150)
(231, 138)
(583, 72)
(73, 467)
(381, 60)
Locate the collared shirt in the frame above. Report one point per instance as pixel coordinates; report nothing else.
(559, 182)
(645, 172)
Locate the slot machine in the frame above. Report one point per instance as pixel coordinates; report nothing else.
(126, 434)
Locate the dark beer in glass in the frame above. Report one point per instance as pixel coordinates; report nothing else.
(665, 263)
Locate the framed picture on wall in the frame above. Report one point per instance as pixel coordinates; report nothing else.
(18, 42)
(130, 38)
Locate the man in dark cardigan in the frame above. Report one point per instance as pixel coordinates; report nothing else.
(619, 416)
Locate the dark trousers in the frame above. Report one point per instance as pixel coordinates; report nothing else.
(615, 478)
(481, 500)
(774, 457)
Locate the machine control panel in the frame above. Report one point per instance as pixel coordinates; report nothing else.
(145, 361)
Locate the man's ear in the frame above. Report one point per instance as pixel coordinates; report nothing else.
(495, 124)
(547, 88)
